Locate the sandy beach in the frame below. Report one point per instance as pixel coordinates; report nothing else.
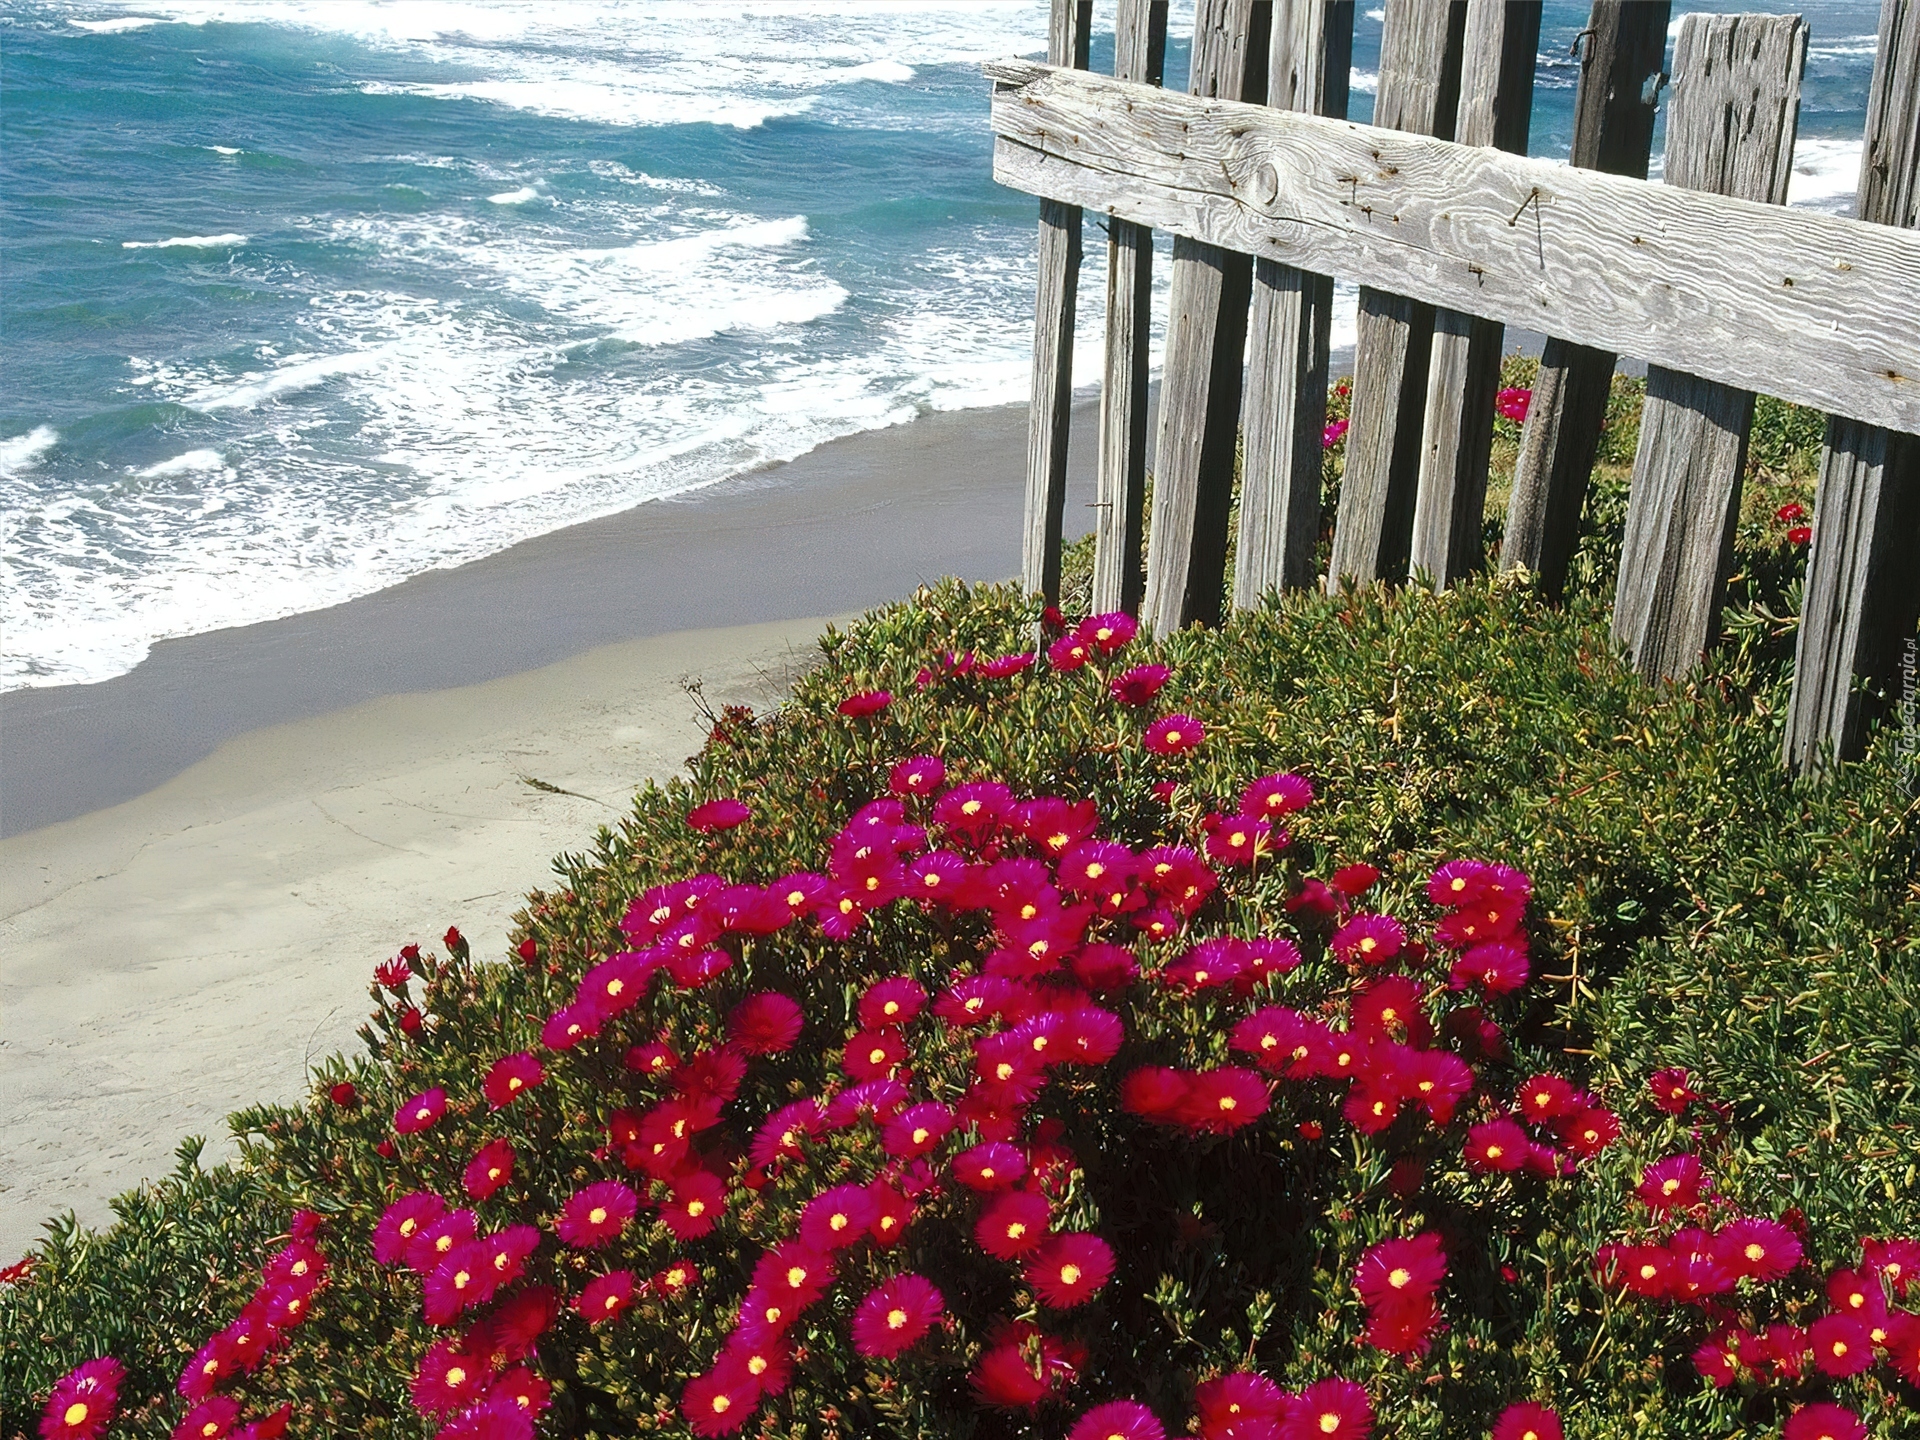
(206, 857)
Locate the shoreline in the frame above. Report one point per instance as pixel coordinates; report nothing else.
(851, 524)
(169, 960)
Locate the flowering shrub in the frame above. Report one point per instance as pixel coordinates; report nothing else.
(999, 1072)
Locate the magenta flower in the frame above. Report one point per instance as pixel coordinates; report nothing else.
(894, 1315)
(866, 702)
(1498, 1146)
(1527, 1422)
(718, 815)
(489, 1170)
(917, 1130)
(1174, 735)
(1335, 432)
(1002, 667)
(1369, 939)
(595, 1214)
(83, 1400)
(1672, 1182)
(509, 1076)
(421, 1111)
(1275, 796)
(1824, 1421)
(989, 1166)
(921, 775)
(1107, 633)
(1672, 1090)
(1015, 1223)
(836, 1218)
(1329, 1410)
(1070, 1269)
(1512, 403)
(1069, 652)
(765, 1024)
(1140, 684)
(1118, 1420)
(1757, 1248)
(893, 1001)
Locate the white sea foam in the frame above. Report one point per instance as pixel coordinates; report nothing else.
(118, 25)
(226, 149)
(300, 373)
(1366, 82)
(187, 242)
(1826, 174)
(194, 462)
(24, 451)
(890, 72)
(1846, 47)
(526, 194)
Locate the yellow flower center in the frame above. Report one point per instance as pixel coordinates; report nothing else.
(757, 1365)
(407, 1227)
(1755, 1251)
(873, 882)
(892, 1007)
(1004, 1070)
(76, 1412)
(1227, 1102)
(797, 1276)
(1389, 1016)
(615, 986)
(975, 1005)
(1173, 737)
(676, 1277)
(493, 1172)
(1838, 1348)
(1459, 884)
(1069, 1274)
(597, 1215)
(796, 898)
(1667, 1187)
(461, 1280)
(1329, 1422)
(1494, 1152)
(1367, 945)
(1095, 870)
(896, 1319)
(846, 906)
(970, 807)
(423, 1113)
(300, 1268)
(1269, 1040)
(696, 1208)
(837, 1222)
(876, 1055)
(930, 880)
(722, 1404)
(920, 1134)
(1016, 1229)
(514, 1082)
(1400, 1278)
(1058, 840)
(1200, 977)
(456, 1375)
(986, 1172)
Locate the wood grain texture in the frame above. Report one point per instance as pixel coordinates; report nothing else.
(1614, 110)
(1284, 409)
(1863, 575)
(1418, 92)
(1209, 292)
(1139, 52)
(1809, 307)
(1050, 401)
(1463, 373)
(1730, 129)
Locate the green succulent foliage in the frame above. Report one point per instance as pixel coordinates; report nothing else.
(1692, 907)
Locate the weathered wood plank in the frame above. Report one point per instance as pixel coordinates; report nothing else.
(1198, 432)
(1139, 54)
(1614, 110)
(1419, 91)
(1730, 129)
(1809, 307)
(1050, 403)
(1463, 375)
(1863, 576)
(1285, 406)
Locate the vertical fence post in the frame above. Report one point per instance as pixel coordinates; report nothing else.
(1285, 406)
(1139, 53)
(1863, 577)
(1050, 410)
(1419, 89)
(1730, 129)
(1614, 109)
(1206, 340)
(1463, 375)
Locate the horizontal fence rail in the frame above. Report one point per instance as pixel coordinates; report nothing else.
(1807, 307)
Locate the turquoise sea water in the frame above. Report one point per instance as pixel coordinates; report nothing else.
(301, 297)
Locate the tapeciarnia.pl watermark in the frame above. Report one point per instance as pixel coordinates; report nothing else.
(1908, 746)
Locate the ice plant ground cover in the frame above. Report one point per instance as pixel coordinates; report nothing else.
(1629, 1139)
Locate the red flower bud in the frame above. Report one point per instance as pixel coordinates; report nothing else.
(384, 1150)
(344, 1095)
(409, 952)
(1311, 1130)
(411, 1020)
(529, 951)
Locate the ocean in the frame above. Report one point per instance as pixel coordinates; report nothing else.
(299, 298)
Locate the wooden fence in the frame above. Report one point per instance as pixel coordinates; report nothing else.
(1269, 192)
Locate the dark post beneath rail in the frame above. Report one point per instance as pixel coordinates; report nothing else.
(1614, 108)
(1463, 375)
(1200, 378)
(1736, 106)
(1050, 408)
(1139, 53)
(1419, 91)
(1863, 575)
(1284, 411)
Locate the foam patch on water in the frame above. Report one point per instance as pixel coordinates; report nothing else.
(525, 195)
(226, 149)
(1826, 174)
(187, 242)
(118, 25)
(22, 452)
(1364, 82)
(193, 462)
